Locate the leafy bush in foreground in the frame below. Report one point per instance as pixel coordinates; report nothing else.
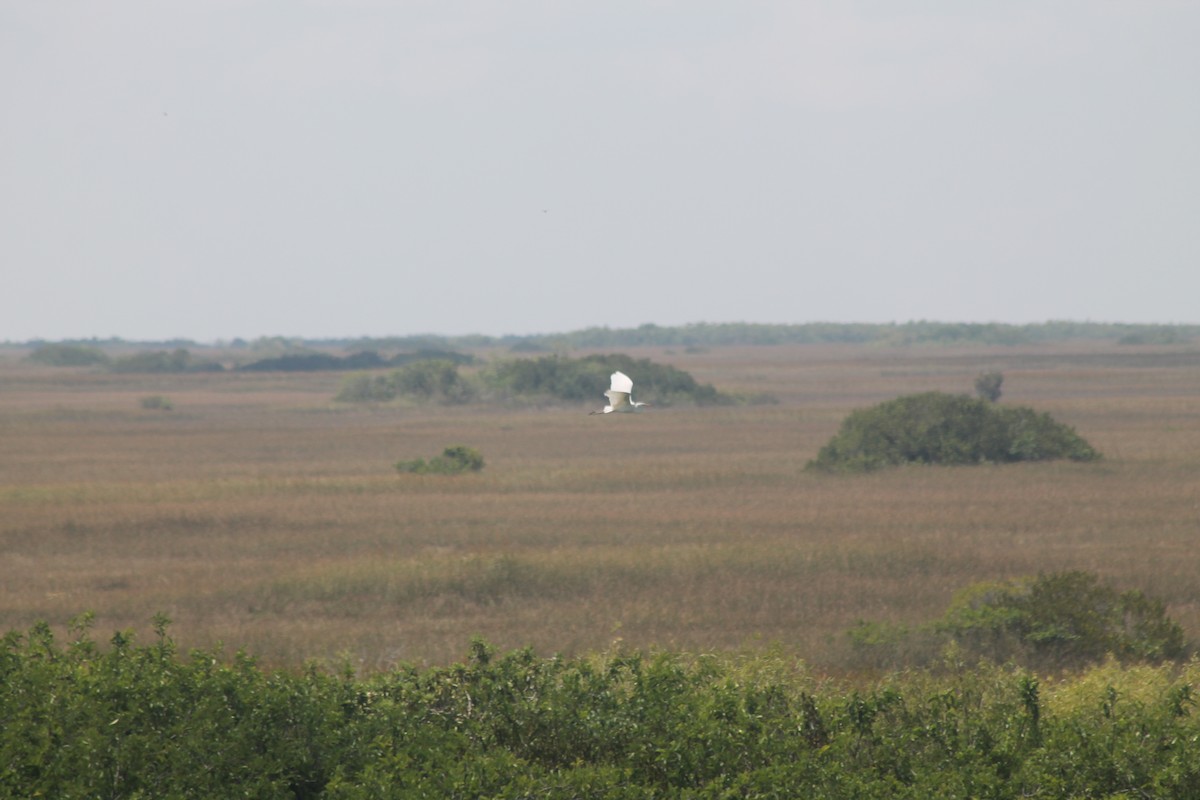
(78, 720)
(453, 460)
(940, 428)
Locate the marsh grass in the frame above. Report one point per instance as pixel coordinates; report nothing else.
(266, 516)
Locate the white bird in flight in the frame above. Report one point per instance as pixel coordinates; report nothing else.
(619, 398)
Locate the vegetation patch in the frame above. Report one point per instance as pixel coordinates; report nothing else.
(544, 379)
(1061, 620)
(941, 428)
(580, 379)
(68, 355)
(178, 360)
(427, 381)
(454, 460)
(133, 720)
(156, 402)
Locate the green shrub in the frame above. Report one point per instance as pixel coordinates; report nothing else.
(1054, 621)
(157, 402)
(940, 428)
(434, 380)
(1063, 619)
(987, 386)
(453, 461)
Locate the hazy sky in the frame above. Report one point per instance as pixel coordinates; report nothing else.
(237, 168)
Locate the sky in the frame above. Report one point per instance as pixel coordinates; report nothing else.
(224, 169)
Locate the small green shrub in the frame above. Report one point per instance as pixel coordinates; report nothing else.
(156, 402)
(454, 460)
(940, 428)
(987, 386)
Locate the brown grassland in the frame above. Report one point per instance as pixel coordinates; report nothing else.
(261, 514)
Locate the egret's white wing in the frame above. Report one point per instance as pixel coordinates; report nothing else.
(622, 383)
(618, 400)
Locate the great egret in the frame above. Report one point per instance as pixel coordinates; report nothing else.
(618, 395)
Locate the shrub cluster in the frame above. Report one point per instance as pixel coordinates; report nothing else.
(454, 460)
(78, 720)
(1060, 620)
(177, 360)
(435, 380)
(940, 428)
(581, 379)
(553, 378)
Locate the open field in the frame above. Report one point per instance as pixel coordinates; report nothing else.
(261, 514)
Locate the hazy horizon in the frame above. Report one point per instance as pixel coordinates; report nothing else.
(243, 168)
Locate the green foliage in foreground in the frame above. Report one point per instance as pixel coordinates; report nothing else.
(940, 428)
(454, 460)
(1060, 620)
(78, 720)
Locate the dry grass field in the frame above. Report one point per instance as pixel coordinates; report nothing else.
(261, 514)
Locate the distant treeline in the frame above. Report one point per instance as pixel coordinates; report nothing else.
(717, 334)
(701, 334)
(365, 359)
(183, 360)
(706, 334)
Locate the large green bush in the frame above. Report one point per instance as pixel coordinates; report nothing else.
(940, 428)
